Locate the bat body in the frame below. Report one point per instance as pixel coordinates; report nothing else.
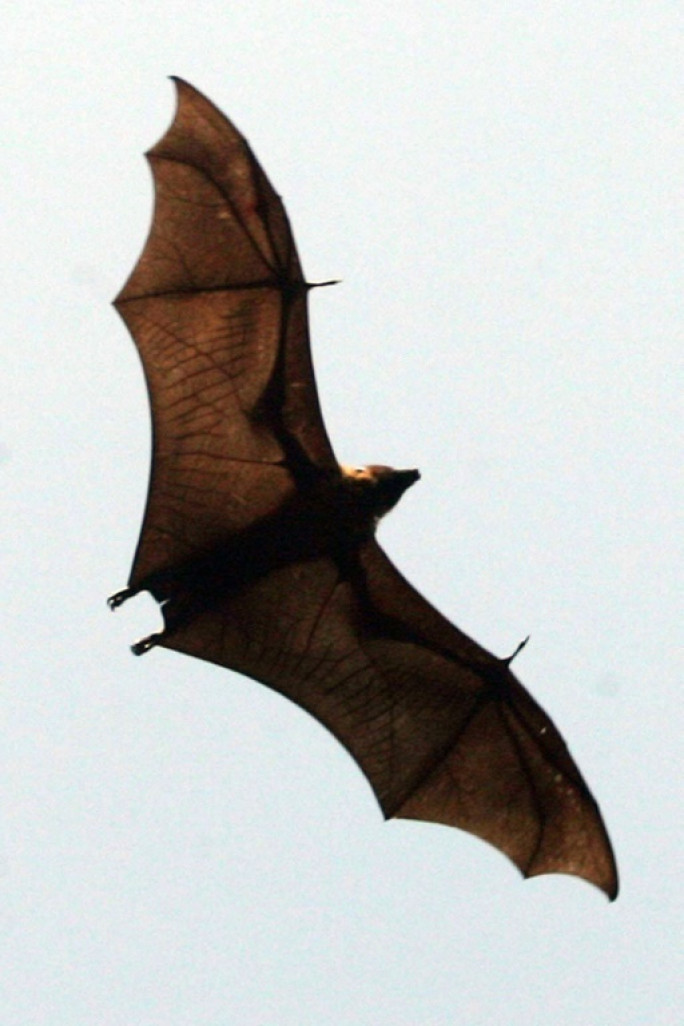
(261, 547)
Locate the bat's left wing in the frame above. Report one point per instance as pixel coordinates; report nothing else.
(440, 727)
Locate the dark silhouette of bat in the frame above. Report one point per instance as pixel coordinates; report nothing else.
(261, 548)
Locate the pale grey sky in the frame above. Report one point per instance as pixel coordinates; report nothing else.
(499, 186)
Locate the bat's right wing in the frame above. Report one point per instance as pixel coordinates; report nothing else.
(491, 761)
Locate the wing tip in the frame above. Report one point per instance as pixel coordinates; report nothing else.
(186, 94)
(192, 106)
(183, 86)
(608, 884)
(600, 870)
(594, 861)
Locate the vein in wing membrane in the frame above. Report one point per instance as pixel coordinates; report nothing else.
(208, 360)
(217, 307)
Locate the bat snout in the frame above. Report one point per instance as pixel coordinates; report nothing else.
(391, 485)
(409, 477)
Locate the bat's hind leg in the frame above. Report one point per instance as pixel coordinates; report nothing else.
(172, 610)
(145, 644)
(114, 601)
(175, 611)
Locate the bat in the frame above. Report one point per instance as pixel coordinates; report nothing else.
(260, 547)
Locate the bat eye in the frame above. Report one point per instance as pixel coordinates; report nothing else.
(355, 472)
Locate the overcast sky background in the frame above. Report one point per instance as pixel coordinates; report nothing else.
(500, 188)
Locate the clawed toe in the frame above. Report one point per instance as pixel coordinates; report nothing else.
(145, 644)
(114, 601)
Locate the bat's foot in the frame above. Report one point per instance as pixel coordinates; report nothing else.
(145, 644)
(114, 601)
